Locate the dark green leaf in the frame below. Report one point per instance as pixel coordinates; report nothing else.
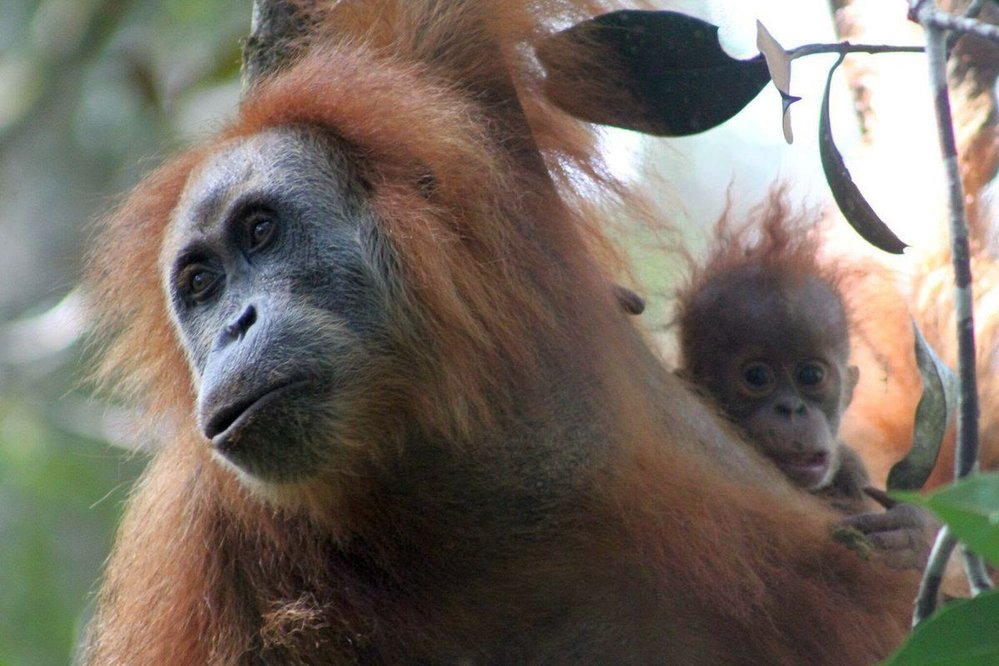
(963, 633)
(971, 510)
(935, 408)
(851, 202)
(660, 72)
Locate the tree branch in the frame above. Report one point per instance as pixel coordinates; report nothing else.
(929, 588)
(278, 34)
(972, 11)
(927, 14)
(976, 572)
(846, 47)
(966, 457)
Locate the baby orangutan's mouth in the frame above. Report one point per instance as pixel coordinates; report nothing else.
(805, 469)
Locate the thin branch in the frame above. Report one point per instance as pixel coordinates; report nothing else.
(279, 31)
(927, 14)
(967, 418)
(966, 456)
(929, 588)
(972, 11)
(847, 47)
(977, 574)
(975, 8)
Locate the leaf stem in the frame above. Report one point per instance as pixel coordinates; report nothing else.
(847, 47)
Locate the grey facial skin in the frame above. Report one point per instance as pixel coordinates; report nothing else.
(270, 273)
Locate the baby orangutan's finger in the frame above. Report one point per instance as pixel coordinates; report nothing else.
(880, 496)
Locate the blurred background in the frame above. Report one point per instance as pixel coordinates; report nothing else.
(95, 92)
(91, 93)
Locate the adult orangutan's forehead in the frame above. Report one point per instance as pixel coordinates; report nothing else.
(238, 167)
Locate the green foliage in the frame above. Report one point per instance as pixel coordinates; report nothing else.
(970, 508)
(965, 633)
(60, 497)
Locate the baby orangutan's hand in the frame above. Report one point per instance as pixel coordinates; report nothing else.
(903, 533)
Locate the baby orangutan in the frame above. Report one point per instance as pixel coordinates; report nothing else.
(764, 331)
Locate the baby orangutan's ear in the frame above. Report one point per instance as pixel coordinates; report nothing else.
(849, 384)
(629, 301)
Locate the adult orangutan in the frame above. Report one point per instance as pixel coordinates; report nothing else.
(408, 421)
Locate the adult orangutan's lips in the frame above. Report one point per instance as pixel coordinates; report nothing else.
(228, 420)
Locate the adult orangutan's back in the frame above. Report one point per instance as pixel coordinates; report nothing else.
(407, 421)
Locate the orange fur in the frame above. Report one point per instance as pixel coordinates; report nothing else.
(651, 534)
